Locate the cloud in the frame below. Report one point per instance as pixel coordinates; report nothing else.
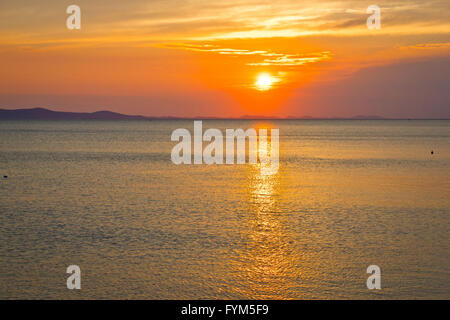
(226, 19)
(263, 57)
(428, 46)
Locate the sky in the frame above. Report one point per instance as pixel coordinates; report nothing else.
(228, 58)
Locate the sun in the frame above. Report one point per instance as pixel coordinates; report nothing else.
(264, 81)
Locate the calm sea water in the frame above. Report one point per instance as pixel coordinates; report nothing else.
(105, 195)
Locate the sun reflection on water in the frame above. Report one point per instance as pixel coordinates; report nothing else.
(266, 263)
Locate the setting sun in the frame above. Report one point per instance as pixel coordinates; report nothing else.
(264, 82)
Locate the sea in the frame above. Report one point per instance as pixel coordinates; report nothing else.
(105, 196)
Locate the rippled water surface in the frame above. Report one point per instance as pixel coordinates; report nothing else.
(105, 195)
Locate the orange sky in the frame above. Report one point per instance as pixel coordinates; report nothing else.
(203, 58)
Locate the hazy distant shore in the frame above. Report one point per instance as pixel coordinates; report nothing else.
(46, 114)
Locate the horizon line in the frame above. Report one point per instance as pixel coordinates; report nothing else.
(122, 116)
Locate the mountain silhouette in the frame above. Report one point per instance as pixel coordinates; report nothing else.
(45, 114)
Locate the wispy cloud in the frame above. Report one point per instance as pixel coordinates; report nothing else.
(292, 60)
(261, 57)
(226, 19)
(429, 46)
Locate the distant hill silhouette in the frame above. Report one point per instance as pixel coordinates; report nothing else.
(45, 114)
